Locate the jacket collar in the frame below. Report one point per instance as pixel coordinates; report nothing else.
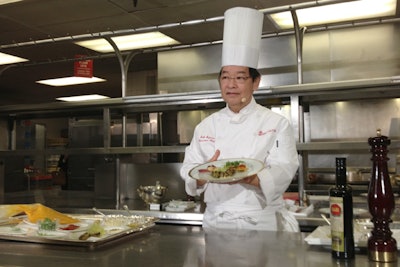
(243, 113)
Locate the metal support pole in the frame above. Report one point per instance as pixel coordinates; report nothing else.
(299, 46)
(118, 197)
(124, 130)
(106, 128)
(124, 65)
(296, 109)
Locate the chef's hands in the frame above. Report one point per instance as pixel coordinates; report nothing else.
(213, 158)
(216, 155)
(251, 180)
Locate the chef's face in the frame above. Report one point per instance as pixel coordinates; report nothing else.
(237, 86)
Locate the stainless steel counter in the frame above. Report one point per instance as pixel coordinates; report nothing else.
(307, 224)
(178, 245)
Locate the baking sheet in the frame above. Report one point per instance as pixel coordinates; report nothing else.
(114, 230)
(322, 236)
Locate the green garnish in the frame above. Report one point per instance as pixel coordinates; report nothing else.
(47, 224)
(233, 163)
(96, 229)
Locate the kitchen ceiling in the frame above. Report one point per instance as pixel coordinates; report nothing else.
(44, 32)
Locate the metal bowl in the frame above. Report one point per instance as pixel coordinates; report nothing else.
(152, 193)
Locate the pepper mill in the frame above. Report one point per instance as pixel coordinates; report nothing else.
(382, 246)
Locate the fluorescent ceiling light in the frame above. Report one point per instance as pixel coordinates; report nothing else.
(4, 2)
(82, 98)
(70, 81)
(9, 59)
(354, 10)
(129, 42)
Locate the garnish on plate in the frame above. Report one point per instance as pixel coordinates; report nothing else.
(95, 230)
(229, 169)
(70, 227)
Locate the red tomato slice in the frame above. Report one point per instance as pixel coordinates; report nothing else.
(70, 227)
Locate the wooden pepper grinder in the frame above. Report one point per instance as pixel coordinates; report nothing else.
(381, 245)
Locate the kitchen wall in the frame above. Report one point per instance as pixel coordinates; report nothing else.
(335, 55)
(328, 56)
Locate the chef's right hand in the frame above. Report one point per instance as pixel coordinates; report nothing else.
(201, 182)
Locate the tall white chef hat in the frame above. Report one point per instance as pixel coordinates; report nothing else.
(242, 37)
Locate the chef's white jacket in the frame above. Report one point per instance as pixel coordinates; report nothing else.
(254, 133)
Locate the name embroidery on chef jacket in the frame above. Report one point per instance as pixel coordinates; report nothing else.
(206, 138)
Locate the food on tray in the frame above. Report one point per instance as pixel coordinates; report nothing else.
(47, 224)
(70, 227)
(227, 170)
(95, 230)
(90, 230)
(35, 212)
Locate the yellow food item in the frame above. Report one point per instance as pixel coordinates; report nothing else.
(35, 212)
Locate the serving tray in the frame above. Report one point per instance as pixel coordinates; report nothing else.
(24, 232)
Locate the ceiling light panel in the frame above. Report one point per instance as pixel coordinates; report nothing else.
(348, 11)
(81, 98)
(10, 59)
(4, 2)
(129, 42)
(66, 81)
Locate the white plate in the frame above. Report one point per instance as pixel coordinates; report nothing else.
(356, 211)
(179, 206)
(253, 167)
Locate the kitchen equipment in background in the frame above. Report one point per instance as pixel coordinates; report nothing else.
(355, 175)
(152, 195)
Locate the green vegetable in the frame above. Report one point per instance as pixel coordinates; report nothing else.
(96, 229)
(233, 163)
(47, 224)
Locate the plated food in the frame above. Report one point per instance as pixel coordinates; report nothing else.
(226, 170)
(40, 224)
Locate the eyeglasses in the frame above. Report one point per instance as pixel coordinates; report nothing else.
(238, 79)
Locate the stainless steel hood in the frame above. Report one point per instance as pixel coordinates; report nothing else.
(378, 87)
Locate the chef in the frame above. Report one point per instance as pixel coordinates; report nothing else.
(246, 130)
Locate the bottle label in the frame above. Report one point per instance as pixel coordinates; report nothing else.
(337, 223)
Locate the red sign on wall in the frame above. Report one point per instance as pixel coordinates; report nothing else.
(83, 68)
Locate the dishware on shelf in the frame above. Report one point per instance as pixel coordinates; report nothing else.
(152, 193)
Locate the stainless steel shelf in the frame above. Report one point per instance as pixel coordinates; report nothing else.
(329, 146)
(96, 151)
(385, 87)
(342, 146)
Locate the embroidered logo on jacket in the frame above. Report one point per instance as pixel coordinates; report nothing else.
(261, 133)
(206, 138)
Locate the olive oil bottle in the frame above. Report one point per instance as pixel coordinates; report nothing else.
(341, 214)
